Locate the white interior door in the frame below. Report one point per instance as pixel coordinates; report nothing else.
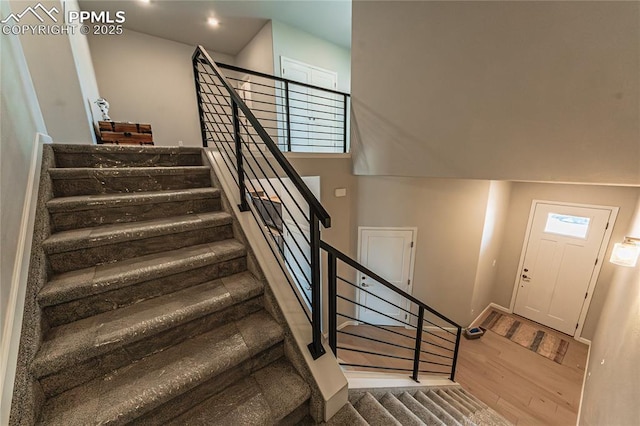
(389, 253)
(560, 256)
(312, 112)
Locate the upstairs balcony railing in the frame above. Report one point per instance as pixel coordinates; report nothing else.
(419, 341)
(299, 117)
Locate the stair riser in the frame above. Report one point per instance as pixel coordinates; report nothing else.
(128, 159)
(84, 258)
(64, 221)
(100, 183)
(190, 399)
(84, 371)
(103, 302)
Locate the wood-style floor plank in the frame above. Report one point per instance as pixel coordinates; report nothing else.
(523, 386)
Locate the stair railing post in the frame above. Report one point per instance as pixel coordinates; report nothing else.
(244, 206)
(315, 347)
(344, 123)
(203, 125)
(288, 114)
(455, 355)
(416, 354)
(332, 273)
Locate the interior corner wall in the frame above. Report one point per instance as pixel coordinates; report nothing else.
(450, 217)
(521, 90)
(522, 195)
(491, 245)
(297, 44)
(85, 72)
(20, 121)
(148, 79)
(611, 391)
(55, 75)
(257, 55)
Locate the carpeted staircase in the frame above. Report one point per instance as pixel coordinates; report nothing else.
(450, 406)
(150, 314)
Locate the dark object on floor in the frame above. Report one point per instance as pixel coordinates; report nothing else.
(473, 333)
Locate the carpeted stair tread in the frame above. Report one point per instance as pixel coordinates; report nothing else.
(470, 408)
(454, 402)
(419, 410)
(140, 387)
(264, 398)
(446, 406)
(373, 412)
(347, 416)
(400, 411)
(436, 409)
(72, 343)
(125, 149)
(476, 404)
(102, 278)
(93, 202)
(78, 239)
(92, 172)
(74, 181)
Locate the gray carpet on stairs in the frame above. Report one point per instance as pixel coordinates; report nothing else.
(150, 313)
(449, 405)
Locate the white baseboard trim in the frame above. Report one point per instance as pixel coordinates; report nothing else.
(347, 324)
(484, 311)
(340, 327)
(15, 307)
(584, 382)
(585, 341)
(373, 380)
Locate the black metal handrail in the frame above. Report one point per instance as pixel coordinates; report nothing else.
(307, 118)
(438, 342)
(318, 209)
(223, 112)
(243, 143)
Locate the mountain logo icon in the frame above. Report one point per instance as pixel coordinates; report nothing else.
(38, 11)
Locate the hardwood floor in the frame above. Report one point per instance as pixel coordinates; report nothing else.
(526, 388)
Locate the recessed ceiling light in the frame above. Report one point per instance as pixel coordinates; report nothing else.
(213, 22)
(145, 1)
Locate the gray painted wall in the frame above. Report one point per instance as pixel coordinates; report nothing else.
(611, 391)
(294, 43)
(536, 91)
(522, 194)
(20, 120)
(450, 217)
(148, 79)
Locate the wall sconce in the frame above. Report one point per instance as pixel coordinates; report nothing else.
(626, 253)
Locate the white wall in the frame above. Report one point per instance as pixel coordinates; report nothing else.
(522, 194)
(257, 54)
(611, 391)
(450, 217)
(296, 44)
(84, 70)
(20, 121)
(491, 245)
(541, 91)
(55, 62)
(148, 79)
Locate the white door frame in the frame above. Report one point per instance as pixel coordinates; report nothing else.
(596, 270)
(411, 261)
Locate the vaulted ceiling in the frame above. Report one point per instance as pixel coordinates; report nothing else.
(186, 20)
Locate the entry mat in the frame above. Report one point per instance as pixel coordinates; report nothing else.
(527, 335)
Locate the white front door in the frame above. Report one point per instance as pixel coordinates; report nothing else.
(389, 253)
(312, 113)
(560, 257)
